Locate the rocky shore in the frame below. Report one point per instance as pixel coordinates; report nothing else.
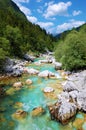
(71, 100)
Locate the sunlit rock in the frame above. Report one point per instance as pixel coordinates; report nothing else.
(32, 71)
(58, 65)
(73, 95)
(63, 96)
(69, 86)
(28, 81)
(37, 111)
(48, 90)
(17, 85)
(46, 73)
(63, 111)
(81, 100)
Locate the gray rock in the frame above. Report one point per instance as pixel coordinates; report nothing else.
(63, 111)
(29, 57)
(81, 100)
(58, 65)
(66, 111)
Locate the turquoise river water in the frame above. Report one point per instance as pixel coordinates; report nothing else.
(32, 96)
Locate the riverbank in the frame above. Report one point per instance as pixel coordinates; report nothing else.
(27, 104)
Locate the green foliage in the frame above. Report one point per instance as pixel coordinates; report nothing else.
(72, 51)
(18, 35)
(4, 50)
(15, 38)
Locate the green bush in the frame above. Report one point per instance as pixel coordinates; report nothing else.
(72, 51)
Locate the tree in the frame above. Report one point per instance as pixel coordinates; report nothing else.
(4, 50)
(72, 51)
(14, 36)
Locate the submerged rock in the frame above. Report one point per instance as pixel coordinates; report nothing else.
(37, 111)
(18, 105)
(19, 114)
(78, 123)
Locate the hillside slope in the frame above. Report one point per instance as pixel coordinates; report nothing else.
(18, 35)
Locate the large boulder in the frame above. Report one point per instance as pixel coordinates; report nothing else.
(76, 81)
(63, 96)
(66, 111)
(69, 86)
(63, 111)
(46, 73)
(81, 100)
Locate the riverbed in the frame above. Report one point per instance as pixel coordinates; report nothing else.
(30, 97)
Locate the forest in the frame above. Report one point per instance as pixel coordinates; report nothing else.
(19, 36)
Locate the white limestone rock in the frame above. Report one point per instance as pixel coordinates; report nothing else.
(32, 71)
(48, 89)
(46, 73)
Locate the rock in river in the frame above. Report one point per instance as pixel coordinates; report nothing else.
(48, 90)
(38, 111)
(46, 73)
(17, 85)
(19, 114)
(32, 71)
(28, 81)
(63, 111)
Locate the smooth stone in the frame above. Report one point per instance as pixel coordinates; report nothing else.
(17, 85)
(48, 90)
(28, 81)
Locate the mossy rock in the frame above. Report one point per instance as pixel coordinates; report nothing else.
(18, 105)
(19, 114)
